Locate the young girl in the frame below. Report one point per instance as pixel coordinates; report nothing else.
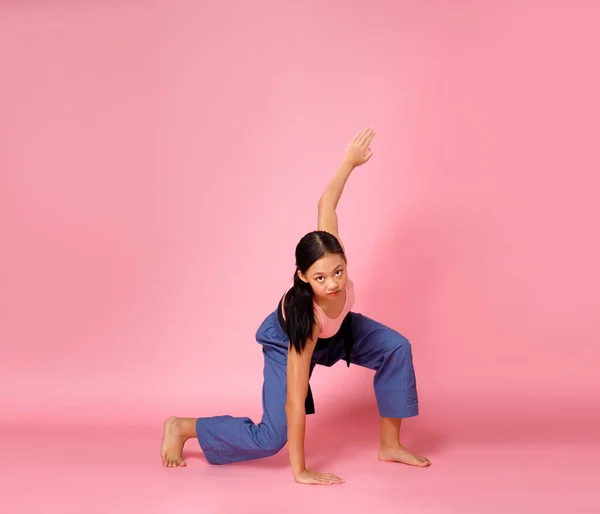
(313, 324)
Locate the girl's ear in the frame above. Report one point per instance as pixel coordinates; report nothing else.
(302, 277)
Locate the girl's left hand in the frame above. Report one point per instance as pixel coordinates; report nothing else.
(358, 151)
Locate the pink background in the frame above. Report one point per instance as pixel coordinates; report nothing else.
(159, 162)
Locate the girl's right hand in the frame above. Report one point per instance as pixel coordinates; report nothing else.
(313, 477)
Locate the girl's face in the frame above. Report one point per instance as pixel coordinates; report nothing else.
(327, 276)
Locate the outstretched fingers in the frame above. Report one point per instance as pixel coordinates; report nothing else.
(332, 479)
(357, 139)
(366, 138)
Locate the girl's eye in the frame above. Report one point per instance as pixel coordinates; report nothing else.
(338, 273)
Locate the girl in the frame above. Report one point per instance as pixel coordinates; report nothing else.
(313, 324)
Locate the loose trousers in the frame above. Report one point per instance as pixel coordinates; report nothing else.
(225, 439)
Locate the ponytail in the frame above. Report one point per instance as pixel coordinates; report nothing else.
(299, 313)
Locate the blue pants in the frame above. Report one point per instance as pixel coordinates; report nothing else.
(226, 439)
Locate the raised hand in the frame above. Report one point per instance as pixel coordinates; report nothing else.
(315, 478)
(358, 151)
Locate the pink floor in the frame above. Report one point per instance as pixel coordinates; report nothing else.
(116, 469)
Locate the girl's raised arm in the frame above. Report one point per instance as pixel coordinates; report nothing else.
(357, 153)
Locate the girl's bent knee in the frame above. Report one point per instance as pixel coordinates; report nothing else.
(275, 445)
(272, 441)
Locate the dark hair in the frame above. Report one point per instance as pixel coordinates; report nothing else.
(298, 304)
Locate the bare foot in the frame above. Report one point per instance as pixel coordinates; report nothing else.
(401, 454)
(172, 444)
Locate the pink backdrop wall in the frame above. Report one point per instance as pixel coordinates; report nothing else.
(159, 164)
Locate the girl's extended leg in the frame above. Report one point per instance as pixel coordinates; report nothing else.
(388, 352)
(225, 439)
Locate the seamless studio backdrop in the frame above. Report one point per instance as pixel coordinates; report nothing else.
(159, 162)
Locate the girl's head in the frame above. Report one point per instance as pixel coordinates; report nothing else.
(320, 272)
(321, 263)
